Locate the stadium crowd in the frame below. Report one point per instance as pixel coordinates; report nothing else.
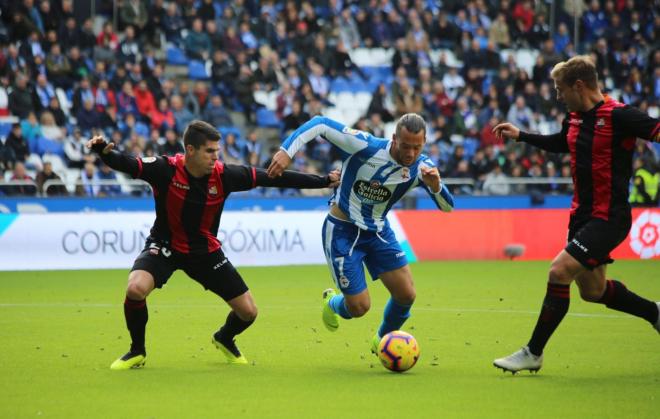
(65, 76)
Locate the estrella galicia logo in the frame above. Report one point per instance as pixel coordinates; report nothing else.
(371, 192)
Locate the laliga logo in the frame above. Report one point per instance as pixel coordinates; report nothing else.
(645, 235)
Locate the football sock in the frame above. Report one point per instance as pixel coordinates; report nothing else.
(338, 305)
(618, 297)
(136, 315)
(555, 307)
(233, 326)
(394, 316)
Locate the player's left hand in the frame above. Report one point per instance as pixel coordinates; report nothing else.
(278, 163)
(431, 178)
(335, 178)
(98, 139)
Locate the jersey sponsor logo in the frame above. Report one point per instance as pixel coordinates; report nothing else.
(600, 122)
(181, 185)
(353, 131)
(575, 121)
(148, 159)
(371, 192)
(645, 235)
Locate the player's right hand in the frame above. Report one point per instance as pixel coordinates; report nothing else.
(279, 162)
(506, 130)
(98, 139)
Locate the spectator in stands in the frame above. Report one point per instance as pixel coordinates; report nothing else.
(344, 65)
(108, 175)
(216, 113)
(74, 150)
(89, 185)
(296, 118)
(182, 116)
(496, 182)
(172, 144)
(197, 42)
(134, 13)
(126, 103)
(7, 157)
(47, 174)
(24, 183)
(173, 24)
(162, 118)
(144, 100)
(18, 144)
(31, 128)
(87, 117)
(44, 92)
(129, 48)
(107, 43)
(20, 99)
(49, 128)
(82, 93)
(520, 114)
(59, 67)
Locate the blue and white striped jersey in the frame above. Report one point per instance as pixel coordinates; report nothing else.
(371, 180)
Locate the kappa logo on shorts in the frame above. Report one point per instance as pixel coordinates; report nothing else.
(344, 282)
(400, 254)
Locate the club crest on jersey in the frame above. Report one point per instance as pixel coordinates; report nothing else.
(405, 173)
(600, 122)
(372, 192)
(213, 190)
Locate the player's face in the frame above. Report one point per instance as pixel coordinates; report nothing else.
(204, 157)
(408, 146)
(571, 96)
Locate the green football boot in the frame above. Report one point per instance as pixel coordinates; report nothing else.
(375, 342)
(329, 317)
(229, 350)
(128, 361)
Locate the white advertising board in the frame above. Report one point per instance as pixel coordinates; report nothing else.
(114, 239)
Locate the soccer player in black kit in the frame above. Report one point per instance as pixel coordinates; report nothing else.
(600, 135)
(190, 191)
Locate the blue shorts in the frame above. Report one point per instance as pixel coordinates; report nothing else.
(347, 247)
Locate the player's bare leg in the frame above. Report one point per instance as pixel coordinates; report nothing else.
(243, 314)
(140, 285)
(399, 283)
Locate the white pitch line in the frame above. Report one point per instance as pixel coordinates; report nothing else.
(288, 307)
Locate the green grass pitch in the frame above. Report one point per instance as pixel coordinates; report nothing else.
(61, 330)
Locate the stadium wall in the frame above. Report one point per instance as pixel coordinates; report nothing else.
(114, 239)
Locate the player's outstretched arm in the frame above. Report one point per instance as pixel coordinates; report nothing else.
(555, 143)
(297, 180)
(436, 189)
(112, 158)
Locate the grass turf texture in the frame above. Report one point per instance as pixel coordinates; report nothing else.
(61, 331)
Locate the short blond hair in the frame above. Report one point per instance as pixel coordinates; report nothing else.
(580, 67)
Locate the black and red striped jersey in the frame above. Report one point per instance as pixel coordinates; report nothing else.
(601, 143)
(188, 208)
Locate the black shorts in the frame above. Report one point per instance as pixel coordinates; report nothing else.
(591, 240)
(212, 270)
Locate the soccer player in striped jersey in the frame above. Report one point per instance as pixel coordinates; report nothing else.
(375, 174)
(190, 192)
(600, 135)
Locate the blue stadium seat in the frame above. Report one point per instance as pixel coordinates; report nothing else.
(5, 129)
(470, 145)
(197, 70)
(267, 118)
(176, 56)
(224, 131)
(44, 145)
(340, 84)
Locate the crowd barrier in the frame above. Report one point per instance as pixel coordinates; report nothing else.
(114, 239)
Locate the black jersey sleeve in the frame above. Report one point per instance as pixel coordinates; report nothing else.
(242, 178)
(632, 121)
(146, 168)
(556, 143)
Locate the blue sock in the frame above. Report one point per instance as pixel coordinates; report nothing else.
(394, 316)
(338, 305)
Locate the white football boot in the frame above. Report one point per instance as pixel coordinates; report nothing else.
(520, 360)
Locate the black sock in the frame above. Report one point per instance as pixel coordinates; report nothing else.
(232, 327)
(555, 307)
(618, 297)
(136, 321)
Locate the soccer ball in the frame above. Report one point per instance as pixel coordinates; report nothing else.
(398, 351)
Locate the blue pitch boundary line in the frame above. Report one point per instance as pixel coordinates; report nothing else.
(444, 310)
